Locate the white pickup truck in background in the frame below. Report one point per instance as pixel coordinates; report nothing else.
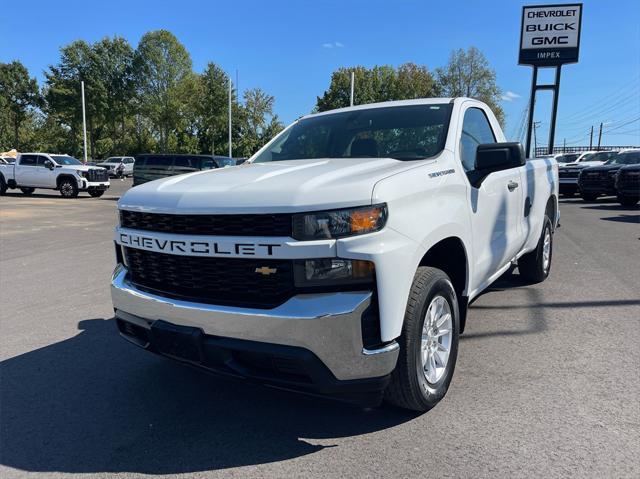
(341, 259)
(55, 172)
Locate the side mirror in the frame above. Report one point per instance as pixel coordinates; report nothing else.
(492, 157)
(49, 164)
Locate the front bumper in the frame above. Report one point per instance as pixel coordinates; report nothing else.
(321, 331)
(93, 185)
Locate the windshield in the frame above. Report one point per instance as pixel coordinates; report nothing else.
(567, 158)
(410, 132)
(65, 160)
(626, 158)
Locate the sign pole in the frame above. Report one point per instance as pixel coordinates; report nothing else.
(532, 101)
(554, 111)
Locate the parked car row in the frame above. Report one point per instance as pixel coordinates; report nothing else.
(70, 176)
(600, 173)
(619, 177)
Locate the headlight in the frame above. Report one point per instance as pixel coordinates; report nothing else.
(81, 173)
(339, 223)
(332, 272)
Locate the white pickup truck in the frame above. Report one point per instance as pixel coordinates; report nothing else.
(341, 258)
(55, 172)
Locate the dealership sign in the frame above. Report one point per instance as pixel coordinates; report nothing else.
(550, 34)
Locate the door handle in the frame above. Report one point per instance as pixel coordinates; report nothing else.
(512, 185)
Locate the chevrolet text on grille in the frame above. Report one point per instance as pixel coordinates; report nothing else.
(203, 247)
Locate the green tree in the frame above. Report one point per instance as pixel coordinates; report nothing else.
(113, 81)
(377, 84)
(20, 95)
(258, 122)
(162, 66)
(468, 74)
(212, 107)
(63, 94)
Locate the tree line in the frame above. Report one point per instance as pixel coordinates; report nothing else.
(149, 99)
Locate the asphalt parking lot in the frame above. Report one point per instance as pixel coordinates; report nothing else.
(547, 381)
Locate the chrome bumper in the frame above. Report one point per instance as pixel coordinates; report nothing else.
(326, 324)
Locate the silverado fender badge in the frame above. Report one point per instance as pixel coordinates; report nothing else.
(441, 173)
(266, 271)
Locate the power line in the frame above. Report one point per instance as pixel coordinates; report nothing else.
(602, 102)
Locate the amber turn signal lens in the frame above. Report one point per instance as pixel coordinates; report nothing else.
(365, 219)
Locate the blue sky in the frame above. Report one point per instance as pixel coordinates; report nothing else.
(290, 48)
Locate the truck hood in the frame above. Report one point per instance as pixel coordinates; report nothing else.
(274, 187)
(585, 163)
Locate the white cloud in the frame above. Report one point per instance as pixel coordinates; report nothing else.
(509, 96)
(333, 45)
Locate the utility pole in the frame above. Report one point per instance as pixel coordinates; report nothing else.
(564, 145)
(353, 80)
(591, 138)
(84, 121)
(599, 137)
(230, 146)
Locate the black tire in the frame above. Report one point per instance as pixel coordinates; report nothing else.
(27, 191)
(96, 193)
(589, 196)
(532, 265)
(628, 200)
(408, 387)
(68, 187)
(3, 186)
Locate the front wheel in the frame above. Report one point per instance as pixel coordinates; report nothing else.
(628, 200)
(428, 343)
(96, 193)
(27, 191)
(68, 188)
(536, 265)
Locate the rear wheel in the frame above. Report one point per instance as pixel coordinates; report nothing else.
(3, 186)
(27, 191)
(589, 196)
(536, 265)
(96, 193)
(68, 188)
(428, 343)
(628, 200)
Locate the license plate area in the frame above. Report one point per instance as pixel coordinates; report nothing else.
(180, 342)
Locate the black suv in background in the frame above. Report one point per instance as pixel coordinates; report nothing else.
(597, 181)
(628, 184)
(149, 167)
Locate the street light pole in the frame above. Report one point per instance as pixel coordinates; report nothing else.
(84, 121)
(353, 80)
(230, 146)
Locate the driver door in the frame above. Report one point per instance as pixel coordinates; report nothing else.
(496, 206)
(43, 175)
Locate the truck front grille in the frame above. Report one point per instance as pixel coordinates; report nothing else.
(97, 174)
(569, 173)
(213, 225)
(221, 281)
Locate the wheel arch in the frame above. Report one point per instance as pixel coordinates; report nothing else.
(551, 210)
(450, 256)
(63, 176)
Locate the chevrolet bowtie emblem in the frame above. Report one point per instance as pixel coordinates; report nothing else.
(265, 270)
